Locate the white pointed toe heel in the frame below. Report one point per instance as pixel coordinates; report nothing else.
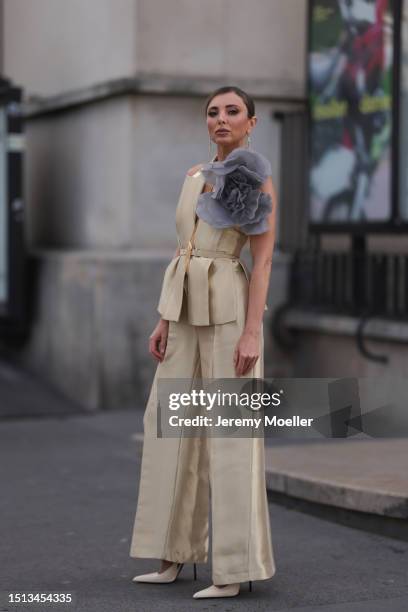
(229, 590)
(167, 576)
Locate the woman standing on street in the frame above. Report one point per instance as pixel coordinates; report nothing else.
(211, 327)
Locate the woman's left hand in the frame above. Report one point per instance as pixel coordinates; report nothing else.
(246, 353)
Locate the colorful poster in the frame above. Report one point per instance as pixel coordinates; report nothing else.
(3, 211)
(350, 74)
(403, 148)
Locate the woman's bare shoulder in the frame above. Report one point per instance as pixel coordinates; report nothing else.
(194, 169)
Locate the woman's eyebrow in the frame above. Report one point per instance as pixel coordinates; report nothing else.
(227, 106)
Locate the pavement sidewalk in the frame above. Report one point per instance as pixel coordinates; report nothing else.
(369, 475)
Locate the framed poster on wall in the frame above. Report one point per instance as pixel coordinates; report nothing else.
(12, 244)
(352, 65)
(4, 260)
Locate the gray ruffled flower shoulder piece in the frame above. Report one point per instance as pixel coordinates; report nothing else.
(237, 199)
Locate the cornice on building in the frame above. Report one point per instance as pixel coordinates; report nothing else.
(163, 85)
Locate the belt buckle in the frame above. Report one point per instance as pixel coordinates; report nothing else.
(189, 250)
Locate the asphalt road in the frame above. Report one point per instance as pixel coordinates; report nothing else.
(67, 502)
(68, 497)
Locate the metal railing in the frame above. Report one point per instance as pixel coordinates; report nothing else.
(348, 283)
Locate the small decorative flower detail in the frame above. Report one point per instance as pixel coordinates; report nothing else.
(237, 199)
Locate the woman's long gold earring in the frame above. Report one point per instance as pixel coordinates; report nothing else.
(209, 148)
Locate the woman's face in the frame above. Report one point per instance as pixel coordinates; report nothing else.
(227, 120)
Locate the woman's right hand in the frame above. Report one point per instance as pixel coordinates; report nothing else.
(158, 340)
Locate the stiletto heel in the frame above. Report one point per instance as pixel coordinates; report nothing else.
(195, 572)
(250, 585)
(179, 570)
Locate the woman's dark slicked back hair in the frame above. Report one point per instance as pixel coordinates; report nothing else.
(249, 103)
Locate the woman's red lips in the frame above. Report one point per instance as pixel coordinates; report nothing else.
(222, 132)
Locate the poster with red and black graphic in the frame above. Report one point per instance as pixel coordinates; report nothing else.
(350, 85)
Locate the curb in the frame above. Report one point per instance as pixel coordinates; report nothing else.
(367, 476)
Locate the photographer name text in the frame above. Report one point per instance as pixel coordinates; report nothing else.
(267, 421)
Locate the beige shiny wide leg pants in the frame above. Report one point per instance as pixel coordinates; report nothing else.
(178, 474)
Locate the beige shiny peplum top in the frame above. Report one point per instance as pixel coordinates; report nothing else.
(208, 272)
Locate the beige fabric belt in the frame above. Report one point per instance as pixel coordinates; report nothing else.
(207, 253)
(196, 252)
